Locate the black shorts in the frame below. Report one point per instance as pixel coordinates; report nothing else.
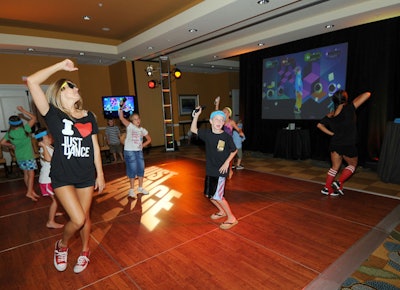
(346, 150)
(210, 186)
(83, 184)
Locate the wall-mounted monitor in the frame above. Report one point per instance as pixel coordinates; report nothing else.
(111, 106)
(300, 85)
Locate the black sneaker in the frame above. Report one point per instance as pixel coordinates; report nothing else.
(325, 191)
(336, 186)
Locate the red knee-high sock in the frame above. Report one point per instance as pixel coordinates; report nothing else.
(346, 173)
(330, 177)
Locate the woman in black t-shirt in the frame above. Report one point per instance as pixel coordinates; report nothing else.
(341, 125)
(76, 168)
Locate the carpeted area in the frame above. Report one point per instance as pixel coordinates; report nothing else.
(382, 268)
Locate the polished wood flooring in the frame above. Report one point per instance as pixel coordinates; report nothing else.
(289, 236)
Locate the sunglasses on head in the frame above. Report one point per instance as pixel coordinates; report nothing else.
(69, 84)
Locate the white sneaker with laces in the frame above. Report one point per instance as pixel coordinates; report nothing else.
(132, 193)
(142, 191)
(82, 262)
(60, 257)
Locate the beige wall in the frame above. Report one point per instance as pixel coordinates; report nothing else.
(96, 81)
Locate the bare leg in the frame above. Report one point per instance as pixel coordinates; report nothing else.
(132, 182)
(51, 223)
(140, 178)
(29, 176)
(224, 205)
(68, 197)
(230, 171)
(221, 211)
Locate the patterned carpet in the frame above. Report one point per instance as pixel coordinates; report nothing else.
(382, 269)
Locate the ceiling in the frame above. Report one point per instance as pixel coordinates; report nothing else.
(144, 30)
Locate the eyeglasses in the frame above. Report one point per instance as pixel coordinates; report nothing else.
(69, 84)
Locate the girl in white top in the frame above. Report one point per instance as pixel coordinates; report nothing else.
(46, 152)
(133, 150)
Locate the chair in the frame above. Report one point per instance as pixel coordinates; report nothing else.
(14, 162)
(3, 162)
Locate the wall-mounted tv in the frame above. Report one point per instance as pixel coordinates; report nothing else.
(300, 85)
(111, 105)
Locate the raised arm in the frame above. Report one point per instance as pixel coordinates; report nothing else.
(122, 118)
(361, 99)
(32, 118)
(193, 126)
(216, 103)
(36, 79)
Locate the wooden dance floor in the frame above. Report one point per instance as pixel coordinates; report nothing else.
(289, 236)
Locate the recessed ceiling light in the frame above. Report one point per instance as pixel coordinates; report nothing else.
(261, 2)
(123, 57)
(30, 49)
(192, 30)
(261, 44)
(81, 53)
(150, 48)
(215, 56)
(105, 29)
(86, 17)
(329, 26)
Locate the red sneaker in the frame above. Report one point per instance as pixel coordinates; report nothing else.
(60, 257)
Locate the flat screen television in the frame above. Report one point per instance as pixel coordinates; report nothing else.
(111, 105)
(300, 85)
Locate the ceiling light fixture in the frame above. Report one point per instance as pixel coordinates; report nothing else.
(149, 70)
(261, 44)
(329, 26)
(262, 2)
(86, 17)
(192, 30)
(177, 73)
(30, 49)
(152, 84)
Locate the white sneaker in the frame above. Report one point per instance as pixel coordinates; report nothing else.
(142, 191)
(82, 262)
(132, 193)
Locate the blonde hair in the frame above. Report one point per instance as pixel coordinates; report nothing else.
(53, 95)
(229, 110)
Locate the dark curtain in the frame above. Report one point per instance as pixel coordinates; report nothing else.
(373, 65)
